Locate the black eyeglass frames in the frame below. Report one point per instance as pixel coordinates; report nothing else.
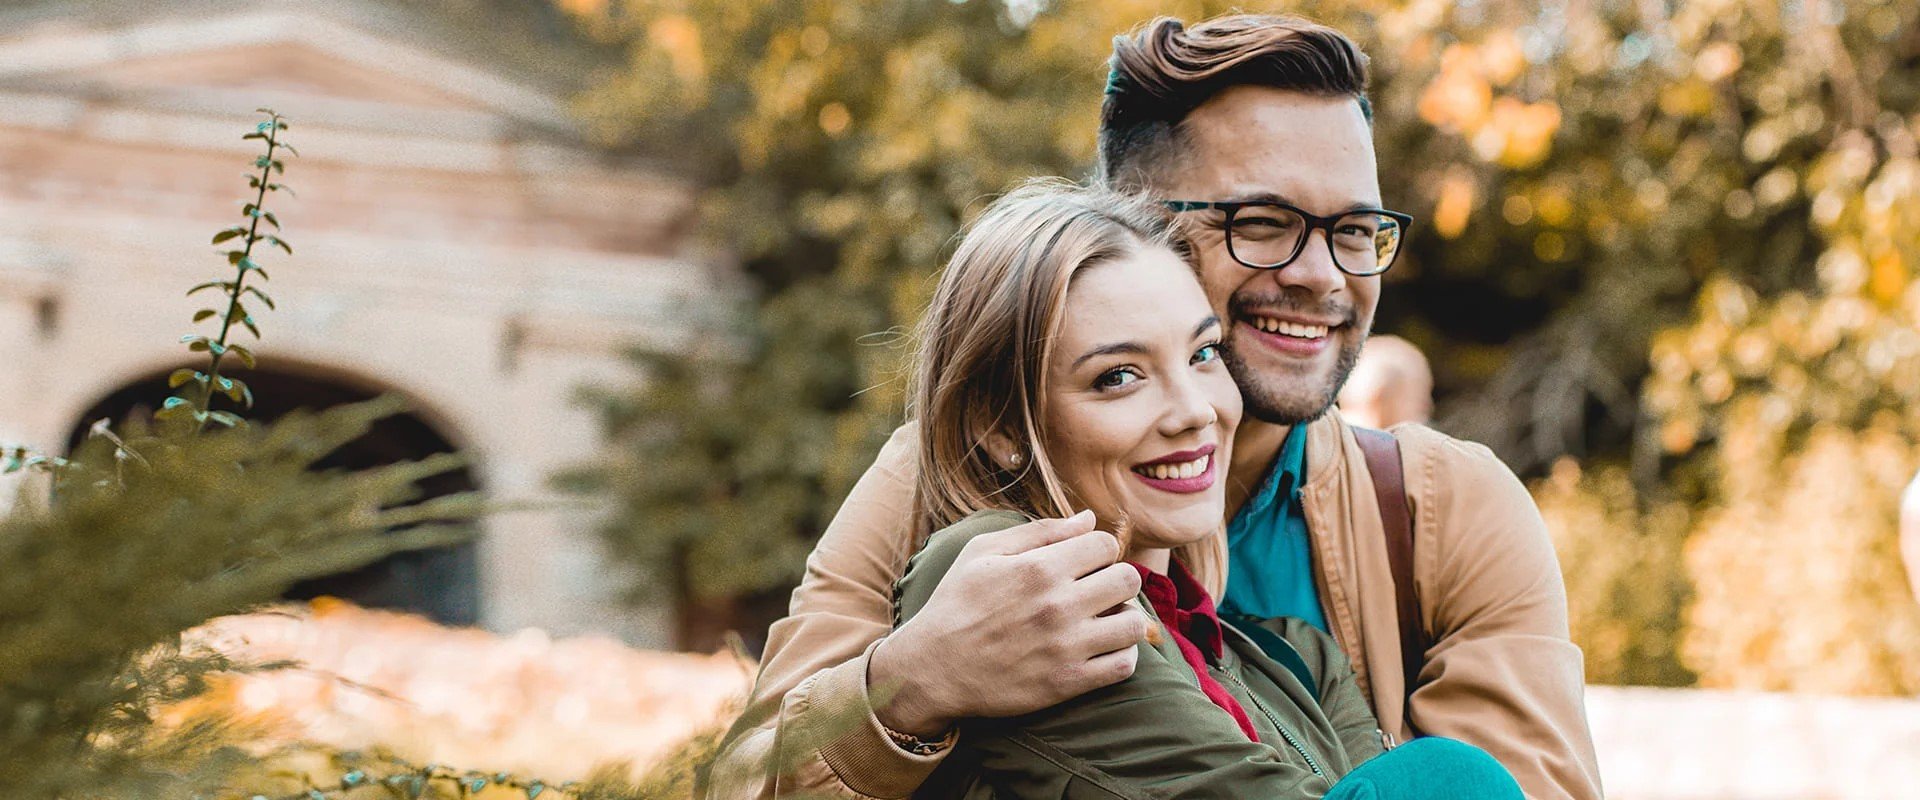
(1265, 234)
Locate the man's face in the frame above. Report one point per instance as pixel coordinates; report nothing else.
(1293, 333)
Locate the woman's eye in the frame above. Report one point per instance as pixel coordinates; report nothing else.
(1114, 379)
(1205, 354)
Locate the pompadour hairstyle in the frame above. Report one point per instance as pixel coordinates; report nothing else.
(1165, 69)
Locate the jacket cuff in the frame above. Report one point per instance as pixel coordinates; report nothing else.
(860, 752)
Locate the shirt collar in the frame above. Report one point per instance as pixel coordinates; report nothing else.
(1287, 473)
(1181, 604)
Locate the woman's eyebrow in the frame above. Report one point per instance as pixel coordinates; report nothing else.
(1132, 348)
(1135, 348)
(1212, 321)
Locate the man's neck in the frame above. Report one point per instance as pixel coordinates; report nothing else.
(1255, 445)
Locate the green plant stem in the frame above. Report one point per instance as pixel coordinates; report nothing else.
(239, 282)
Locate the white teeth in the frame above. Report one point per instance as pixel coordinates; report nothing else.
(1190, 469)
(1294, 329)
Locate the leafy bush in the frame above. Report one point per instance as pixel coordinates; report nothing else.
(162, 526)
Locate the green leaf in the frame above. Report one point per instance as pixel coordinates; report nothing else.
(226, 418)
(279, 167)
(260, 136)
(173, 402)
(199, 346)
(477, 784)
(181, 376)
(217, 348)
(534, 789)
(268, 216)
(255, 291)
(234, 256)
(245, 355)
(281, 187)
(288, 148)
(263, 162)
(203, 314)
(228, 234)
(193, 337)
(248, 321)
(280, 243)
(209, 285)
(246, 264)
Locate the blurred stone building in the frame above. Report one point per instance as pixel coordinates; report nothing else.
(457, 243)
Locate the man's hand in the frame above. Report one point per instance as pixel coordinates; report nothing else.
(1026, 618)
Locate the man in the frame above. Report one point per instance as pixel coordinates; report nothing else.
(1248, 124)
(1391, 384)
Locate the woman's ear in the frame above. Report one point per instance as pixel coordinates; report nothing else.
(1005, 451)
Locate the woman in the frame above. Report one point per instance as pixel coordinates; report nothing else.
(1069, 360)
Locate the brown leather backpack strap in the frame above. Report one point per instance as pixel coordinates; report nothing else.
(1382, 452)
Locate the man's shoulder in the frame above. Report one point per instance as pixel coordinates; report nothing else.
(1438, 461)
(1461, 490)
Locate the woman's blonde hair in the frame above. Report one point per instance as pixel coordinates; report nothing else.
(985, 341)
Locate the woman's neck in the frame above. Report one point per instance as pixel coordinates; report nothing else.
(1154, 558)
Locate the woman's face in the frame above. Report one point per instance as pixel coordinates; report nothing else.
(1140, 409)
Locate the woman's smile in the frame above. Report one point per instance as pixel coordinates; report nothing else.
(1184, 472)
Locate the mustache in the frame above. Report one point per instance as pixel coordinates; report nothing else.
(1250, 304)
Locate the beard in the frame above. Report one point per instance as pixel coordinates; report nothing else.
(1277, 398)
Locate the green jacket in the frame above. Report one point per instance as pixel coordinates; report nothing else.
(1155, 734)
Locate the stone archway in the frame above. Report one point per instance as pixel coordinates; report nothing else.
(442, 584)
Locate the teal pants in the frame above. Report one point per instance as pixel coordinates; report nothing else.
(1430, 768)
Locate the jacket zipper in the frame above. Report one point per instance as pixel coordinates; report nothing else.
(1284, 733)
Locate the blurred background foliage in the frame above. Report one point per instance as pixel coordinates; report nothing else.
(1663, 265)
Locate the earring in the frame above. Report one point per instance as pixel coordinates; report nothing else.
(1016, 458)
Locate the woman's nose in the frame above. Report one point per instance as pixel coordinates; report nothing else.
(1188, 406)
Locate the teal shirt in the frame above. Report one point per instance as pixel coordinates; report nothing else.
(1270, 561)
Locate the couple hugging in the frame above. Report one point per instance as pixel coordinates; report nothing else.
(1122, 411)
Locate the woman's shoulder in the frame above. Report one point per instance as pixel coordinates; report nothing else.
(927, 567)
(945, 544)
(975, 524)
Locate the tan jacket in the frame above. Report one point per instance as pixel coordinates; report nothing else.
(1502, 673)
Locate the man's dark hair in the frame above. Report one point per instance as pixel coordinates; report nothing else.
(1164, 70)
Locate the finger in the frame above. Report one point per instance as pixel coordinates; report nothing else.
(1099, 592)
(1114, 632)
(1080, 555)
(1034, 535)
(1108, 669)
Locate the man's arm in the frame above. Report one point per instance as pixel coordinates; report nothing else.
(1503, 672)
(811, 723)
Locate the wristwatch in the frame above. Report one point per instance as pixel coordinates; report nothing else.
(918, 746)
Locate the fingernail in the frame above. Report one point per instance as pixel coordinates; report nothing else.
(1085, 515)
